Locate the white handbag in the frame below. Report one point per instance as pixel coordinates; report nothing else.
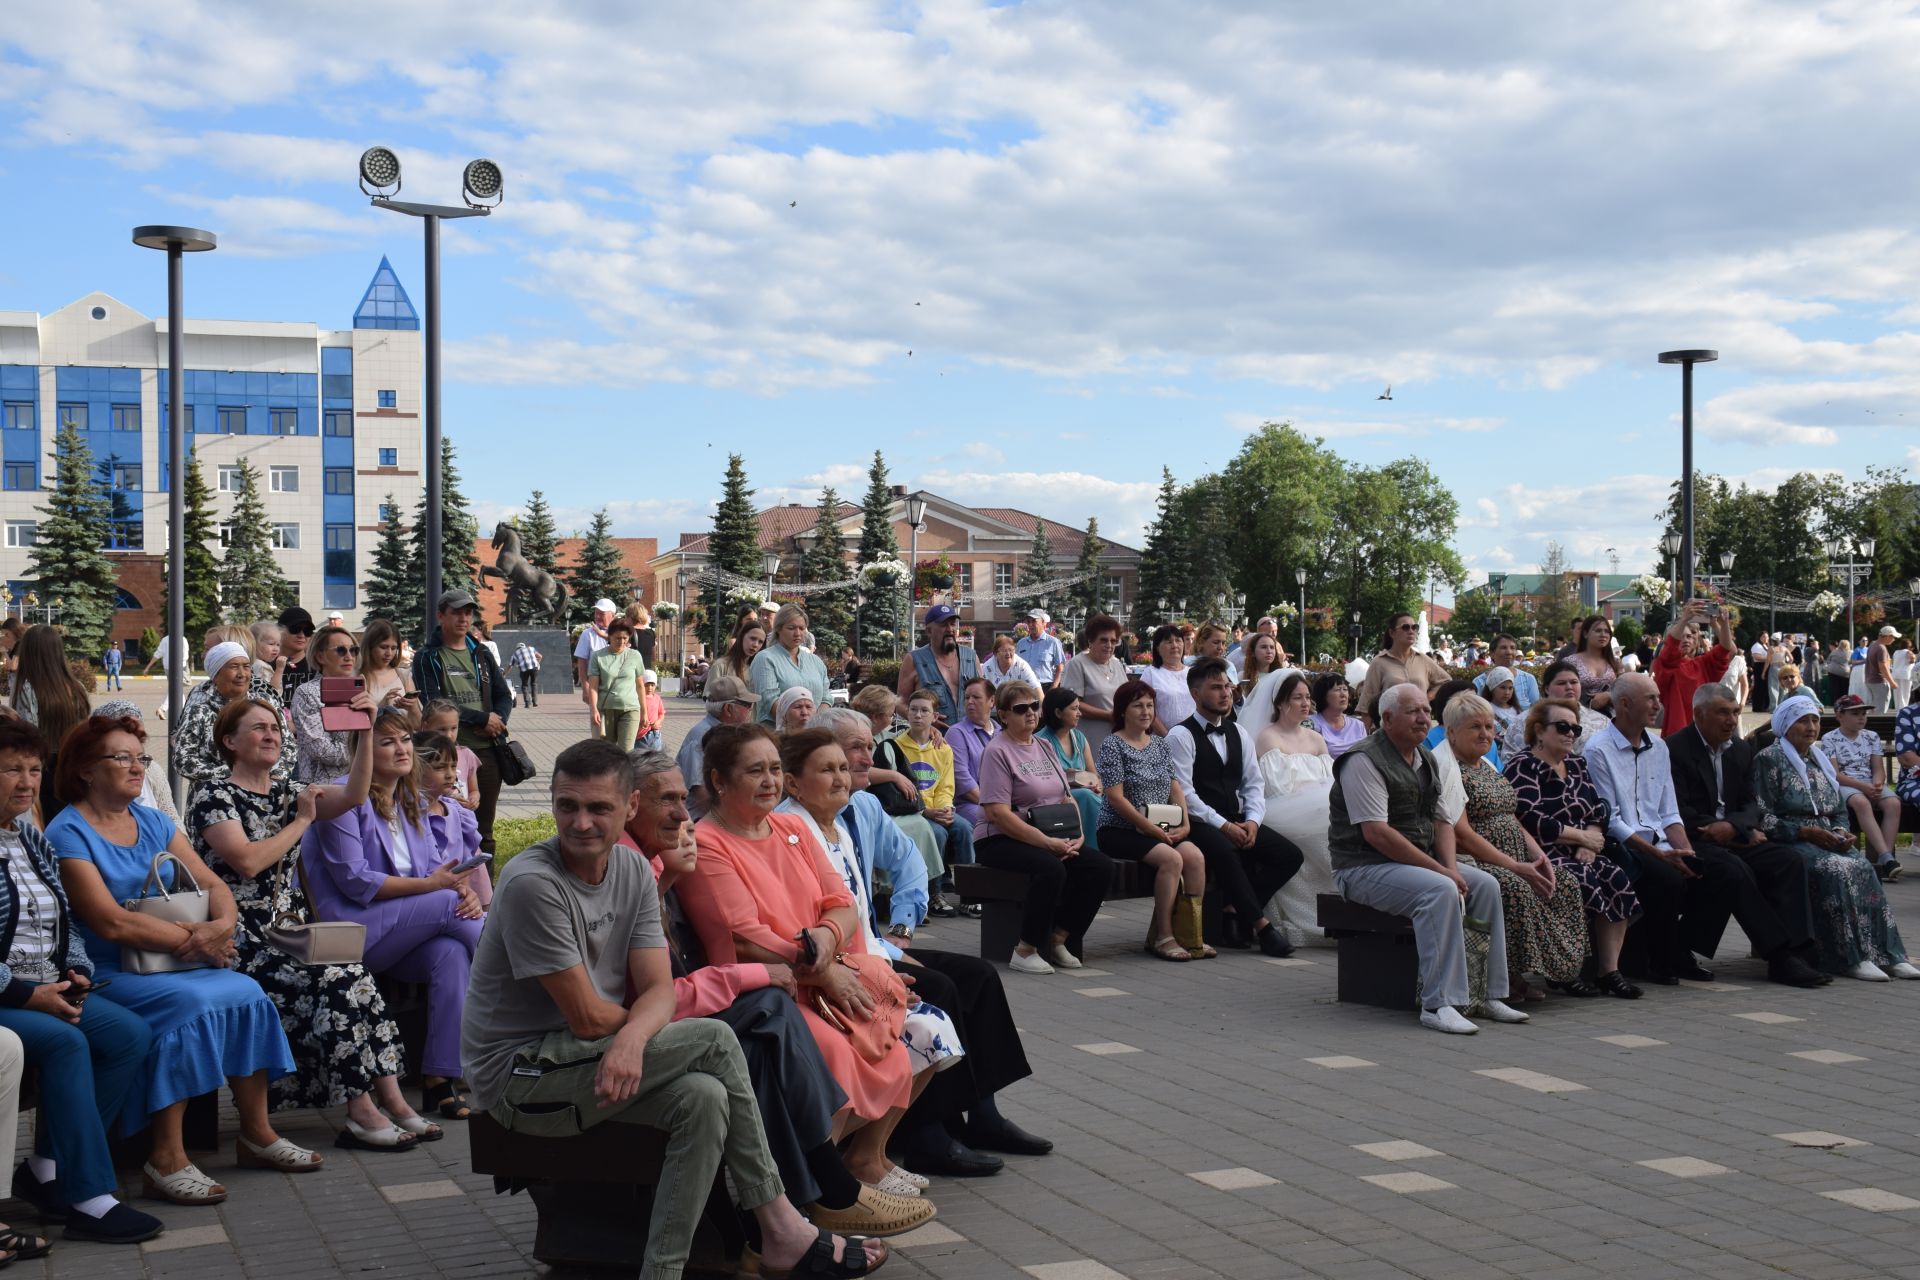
(1166, 816)
(179, 906)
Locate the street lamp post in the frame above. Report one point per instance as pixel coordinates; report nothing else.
(1686, 360)
(1851, 569)
(1670, 547)
(177, 241)
(770, 563)
(482, 188)
(916, 516)
(1353, 631)
(1300, 577)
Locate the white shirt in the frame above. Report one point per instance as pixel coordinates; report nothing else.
(1638, 785)
(402, 855)
(1253, 791)
(592, 641)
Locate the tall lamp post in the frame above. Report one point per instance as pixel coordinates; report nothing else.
(916, 516)
(1849, 568)
(1353, 631)
(770, 565)
(1686, 360)
(177, 241)
(1670, 548)
(1300, 578)
(482, 188)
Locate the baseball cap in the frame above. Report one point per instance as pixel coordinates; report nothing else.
(455, 599)
(723, 688)
(942, 613)
(604, 605)
(1040, 616)
(1889, 633)
(297, 619)
(1850, 702)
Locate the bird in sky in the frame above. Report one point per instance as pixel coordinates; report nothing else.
(793, 204)
(1387, 394)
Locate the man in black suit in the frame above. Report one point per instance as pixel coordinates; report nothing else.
(1713, 782)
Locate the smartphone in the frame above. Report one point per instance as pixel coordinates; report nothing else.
(335, 693)
(477, 860)
(1712, 610)
(809, 949)
(77, 996)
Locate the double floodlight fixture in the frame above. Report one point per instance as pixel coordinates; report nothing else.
(482, 186)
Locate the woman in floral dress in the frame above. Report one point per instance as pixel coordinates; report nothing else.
(248, 825)
(1546, 919)
(1801, 805)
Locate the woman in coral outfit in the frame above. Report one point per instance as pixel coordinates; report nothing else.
(762, 879)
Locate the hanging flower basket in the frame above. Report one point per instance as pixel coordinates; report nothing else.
(665, 611)
(1826, 605)
(1284, 612)
(1652, 588)
(745, 595)
(883, 573)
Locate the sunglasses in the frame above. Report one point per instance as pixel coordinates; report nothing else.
(346, 651)
(1569, 727)
(1023, 709)
(1408, 626)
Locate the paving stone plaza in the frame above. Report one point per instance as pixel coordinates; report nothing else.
(1230, 1119)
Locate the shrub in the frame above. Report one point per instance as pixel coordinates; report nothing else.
(511, 835)
(882, 671)
(83, 672)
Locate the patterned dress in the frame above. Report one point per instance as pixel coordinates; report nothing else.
(333, 1015)
(1852, 921)
(193, 747)
(1548, 938)
(1906, 737)
(1548, 804)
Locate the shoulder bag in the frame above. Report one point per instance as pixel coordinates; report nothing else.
(1166, 816)
(312, 941)
(178, 906)
(1056, 821)
(515, 765)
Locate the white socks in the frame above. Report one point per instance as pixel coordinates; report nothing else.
(41, 1167)
(96, 1206)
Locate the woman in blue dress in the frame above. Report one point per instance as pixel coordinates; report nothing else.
(208, 1022)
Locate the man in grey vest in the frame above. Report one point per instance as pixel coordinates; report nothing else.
(1392, 847)
(942, 664)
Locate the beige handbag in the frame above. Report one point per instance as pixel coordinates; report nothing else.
(1166, 816)
(180, 906)
(314, 941)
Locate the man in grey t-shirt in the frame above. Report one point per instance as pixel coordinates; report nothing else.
(552, 1047)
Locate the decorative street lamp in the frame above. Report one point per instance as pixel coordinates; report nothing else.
(916, 516)
(1300, 577)
(1849, 568)
(1353, 632)
(770, 564)
(1686, 360)
(176, 241)
(482, 190)
(1670, 547)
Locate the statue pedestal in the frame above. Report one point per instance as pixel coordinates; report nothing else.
(556, 657)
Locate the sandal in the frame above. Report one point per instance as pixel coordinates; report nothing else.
(818, 1262)
(895, 1183)
(185, 1185)
(421, 1128)
(392, 1137)
(279, 1154)
(911, 1176)
(1168, 948)
(875, 1213)
(447, 1099)
(20, 1247)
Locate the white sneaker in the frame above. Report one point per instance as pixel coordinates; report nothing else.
(1063, 958)
(1447, 1018)
(1904, 970)
(1868, 971)
(1029, 964)
(1502, 1013)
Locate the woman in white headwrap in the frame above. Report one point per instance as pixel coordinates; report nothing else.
(1801, 805)
(792, 709)
(229, 675)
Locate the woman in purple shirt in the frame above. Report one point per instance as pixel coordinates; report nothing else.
(969, 739)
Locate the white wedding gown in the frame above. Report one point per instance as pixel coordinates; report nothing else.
(1298, 787)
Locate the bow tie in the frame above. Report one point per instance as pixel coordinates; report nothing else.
(1217, 730)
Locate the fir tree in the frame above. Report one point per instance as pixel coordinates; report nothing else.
(829, 613)
(393, 589)
(599, 571)
(202, 566)
(735, 542)
(881, 613)
(251, 586)
(1088, 594)
(1161, 560)
(1036, 568)
(68, 562)
(459, 570)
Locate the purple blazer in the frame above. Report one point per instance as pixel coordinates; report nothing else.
(346, 860)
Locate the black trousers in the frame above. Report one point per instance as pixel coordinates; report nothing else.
(1247, 877)
(1064, 893)
(530, 687)
(488, 776)
(1657, 941)
(1772, 899)
(791, 1082)
(969, 990)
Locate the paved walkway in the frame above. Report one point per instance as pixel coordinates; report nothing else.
(1230, 1119)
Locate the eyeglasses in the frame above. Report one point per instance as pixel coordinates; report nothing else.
(1569, 727)
(346, 651)
(1408, 626)
(127, 761)
(1024, 709)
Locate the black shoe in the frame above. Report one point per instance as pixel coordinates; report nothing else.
(1692, 971)
(122, 1224)
(1578, 987)
(1615, 985)
(1233, 933)
(955, 1160)
(1274, 943)
(46, 1197)
(1888, 871)
(1002, 1134)
(1790, 970)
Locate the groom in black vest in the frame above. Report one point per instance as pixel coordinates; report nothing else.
(1213, 758)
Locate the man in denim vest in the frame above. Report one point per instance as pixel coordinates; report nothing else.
(942, 664)
(1392, 847)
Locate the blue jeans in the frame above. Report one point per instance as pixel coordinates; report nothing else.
(956, 845)
(649, 741)
(87, 1071)
(113, 678)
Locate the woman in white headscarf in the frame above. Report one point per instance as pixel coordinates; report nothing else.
(1801, 805)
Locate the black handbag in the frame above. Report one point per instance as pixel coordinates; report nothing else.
(515, 765)
(1059, 821)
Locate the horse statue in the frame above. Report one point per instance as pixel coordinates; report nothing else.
(533, 594)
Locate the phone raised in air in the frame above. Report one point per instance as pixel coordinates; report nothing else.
(335, 715)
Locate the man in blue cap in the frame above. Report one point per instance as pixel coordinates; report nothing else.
(942, 664)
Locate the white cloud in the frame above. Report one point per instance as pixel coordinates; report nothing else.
(1124, 507)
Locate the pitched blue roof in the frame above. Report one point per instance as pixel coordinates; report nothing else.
(386, 305)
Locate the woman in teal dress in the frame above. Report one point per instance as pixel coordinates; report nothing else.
(1060, 729)
(1801, 805)
(209, 1023)
(785, 665)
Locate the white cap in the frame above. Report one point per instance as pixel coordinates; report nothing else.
(604, 605)
(647, 677)
(1040, 616)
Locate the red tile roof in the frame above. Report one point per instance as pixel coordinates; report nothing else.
(778, 525)
(1066, 539)
(634, 554)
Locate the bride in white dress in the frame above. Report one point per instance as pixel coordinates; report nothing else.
(1298, 775)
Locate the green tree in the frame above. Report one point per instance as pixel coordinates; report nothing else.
(599, 571)
(1209, 557)
(459, 531)
(251, 585)
(734, 544)
(1285, 490)
(1556, 606)
(829, 613)
(881, 613)
(394, 585)
(1036, 568)
(1161, 559)
(202, 566)
(1088, 594)
(68, 562)
(538, 539)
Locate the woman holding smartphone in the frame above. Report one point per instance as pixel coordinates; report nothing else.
(322, 753)
(387, 681)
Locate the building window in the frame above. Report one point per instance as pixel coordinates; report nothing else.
(337, 423)
(227, 480)
(74, 415)
(1002, 577)
(1113, 593)
(19, 475)
(226, 536)
(126, 476)
(283, 479)
(963, 581)
(388, 400)
(231, 422)
(286, 422)
(339, 480)
(286, 537)
(125, 535)
(126, 417)
(338, 561)
(386, 513)
(389, 457)
(20, 416)
(22, 533)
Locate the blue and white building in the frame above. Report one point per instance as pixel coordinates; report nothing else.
(330, 418)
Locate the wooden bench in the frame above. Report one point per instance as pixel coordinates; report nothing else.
(1002, 896)
(1378, 963)
(594, 1192)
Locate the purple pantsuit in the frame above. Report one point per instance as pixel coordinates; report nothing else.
(416, 938)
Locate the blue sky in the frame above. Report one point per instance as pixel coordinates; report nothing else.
(1112, 236)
